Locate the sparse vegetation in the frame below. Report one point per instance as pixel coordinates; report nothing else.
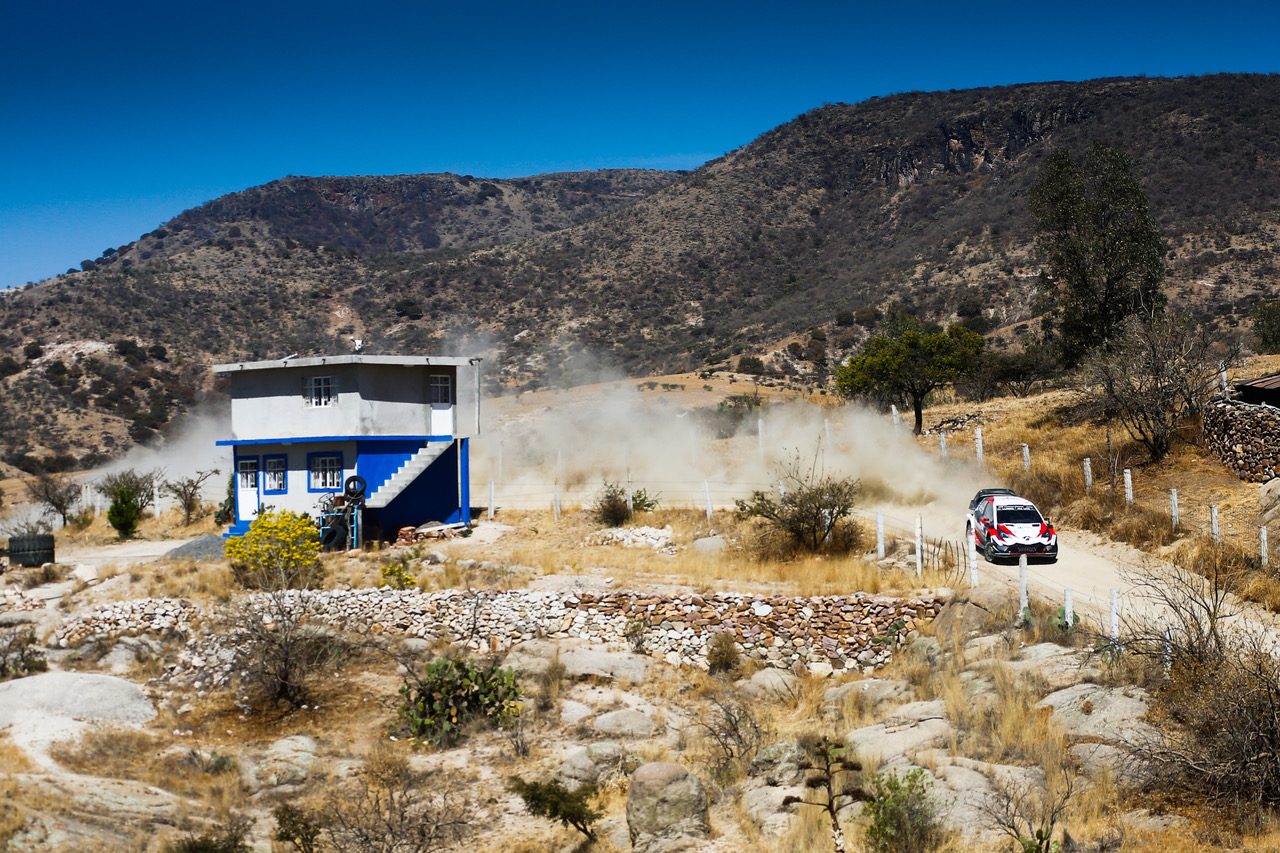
(554, 801)
(902, 815)
(813, 512)
(448, 694)
(614, 508)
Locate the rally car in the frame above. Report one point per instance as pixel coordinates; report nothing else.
(1005, 525)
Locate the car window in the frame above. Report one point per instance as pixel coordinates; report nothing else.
(985, 512)
(1019, 515)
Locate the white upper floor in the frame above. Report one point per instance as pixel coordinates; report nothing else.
(353, 396)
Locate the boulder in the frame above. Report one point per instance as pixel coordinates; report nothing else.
(772, 684)
(590, 764)
(975, 612)
(1269, 502)
(666, 809)
(908, 729)
(710, 546)
(1091, 711)
(869, 694)
(778, 764)
(288, 761)
(626, 723)
(1056, 666)
(767, 805)
(579, 661)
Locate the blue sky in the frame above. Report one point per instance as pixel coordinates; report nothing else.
(115, 117)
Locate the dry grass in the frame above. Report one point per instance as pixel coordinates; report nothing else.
(190, 579)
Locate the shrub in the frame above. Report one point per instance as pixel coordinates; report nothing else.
(229, 838)
(611, 504)
(722, 653)
(813, 512)
(298, 827)
(140, 485)
(733, 735)
(280, 551)
(554, 801)
(20, 654)
(1266, 325)
(903, 817)
(124, 512)
(751, 365)
(451, 692)
(186, 491)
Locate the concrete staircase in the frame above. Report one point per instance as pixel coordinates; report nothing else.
(409, 471)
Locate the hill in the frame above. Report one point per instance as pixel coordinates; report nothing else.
(917, 198)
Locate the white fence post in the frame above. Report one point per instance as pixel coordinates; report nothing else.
(1026, 458)
(1173, 507)
(919, 546)
(631, 498)
(879, 535)
(942, 444)
(973, 562)
(1128, 486)
(1262, 547)
(706, 490)
(1213, 523)
(1088, 475)
(977, 444)
(1023, 601)
(491, 500)
(1068, 609)
(896, 419)
(1115, 615)
(555, 502)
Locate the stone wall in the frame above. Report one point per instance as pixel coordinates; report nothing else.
(1245, 437)
(824, 633)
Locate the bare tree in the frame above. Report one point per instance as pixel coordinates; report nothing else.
(141, 485)
(1160, 372)
(395, 809)
(186, 491)
(1028, 809)
(57, 493)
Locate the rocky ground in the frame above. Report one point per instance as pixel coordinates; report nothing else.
(128, 740)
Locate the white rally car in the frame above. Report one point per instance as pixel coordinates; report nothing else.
(1005, 525)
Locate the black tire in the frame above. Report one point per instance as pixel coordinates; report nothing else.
(986, 552)
(334, 536)
(354, 487)
(32, 550)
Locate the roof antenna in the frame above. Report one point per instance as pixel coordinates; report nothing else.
(287, 357)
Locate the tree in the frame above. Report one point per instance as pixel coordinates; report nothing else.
(1266, 325)
(909, 363)
(1158, 372)
(124, 512)
(811, 511)
(140, 485)
(1100, 243)
(186, 491)
(57, 493)
(830, 776)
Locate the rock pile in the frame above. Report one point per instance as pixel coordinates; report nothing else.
(659, 539)
(17, 600)
(1245, 437)
(825, 633)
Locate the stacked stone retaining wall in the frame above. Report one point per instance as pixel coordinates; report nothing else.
(825, 633)
(1245, 437)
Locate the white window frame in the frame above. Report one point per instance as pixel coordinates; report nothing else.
(247, 474)
(325, 473)
(440, 384)
(319, 392)
(275, 474)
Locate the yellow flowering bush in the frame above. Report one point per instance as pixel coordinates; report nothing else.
(280, 551)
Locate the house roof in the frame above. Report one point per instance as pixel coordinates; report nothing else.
(1269, 382)
(331, 360)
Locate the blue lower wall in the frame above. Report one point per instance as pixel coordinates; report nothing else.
(378, 461)
(434, 496)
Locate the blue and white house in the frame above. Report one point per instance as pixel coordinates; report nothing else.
(300, 427)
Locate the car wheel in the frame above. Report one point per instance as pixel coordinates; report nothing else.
(986, 553)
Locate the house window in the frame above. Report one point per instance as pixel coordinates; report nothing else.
(441, 390)
(326, 471)
(247, 473)
(318, 391)
(274, 476)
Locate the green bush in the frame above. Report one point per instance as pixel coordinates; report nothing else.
(611, 504)
(279, 552)
(452, 692)
(554, 801)
(903, 817)
(124, 512)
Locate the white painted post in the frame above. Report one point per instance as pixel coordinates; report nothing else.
(1173, 507)
(897, 421)
(977, 444)
(1262, 547)
(1128, 486)
(706, 490)
(631, 499)
(973, 562)
(555, 502)
(942, 444)
(919, 546)
(1213, 523)
(1026, 458)
(1222, 373)
(1068, 609)
(1023, 601)
(1115, 615)
(491, 500)
(879, 535)
(1088, 475)
(782, 491)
